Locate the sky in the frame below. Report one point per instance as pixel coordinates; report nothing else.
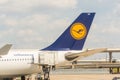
(38, 23)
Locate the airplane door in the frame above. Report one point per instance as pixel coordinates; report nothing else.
(36, 58)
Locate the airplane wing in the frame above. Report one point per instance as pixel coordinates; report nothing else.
(76, 56)
(5, 49)
(112, 50)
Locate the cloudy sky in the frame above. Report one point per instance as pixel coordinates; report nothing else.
(37, 23)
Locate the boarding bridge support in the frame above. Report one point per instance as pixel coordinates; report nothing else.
(113, 69)
(49, 58)
(110, 61)
(110, 57)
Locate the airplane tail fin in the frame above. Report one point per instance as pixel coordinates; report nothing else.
(73, 38)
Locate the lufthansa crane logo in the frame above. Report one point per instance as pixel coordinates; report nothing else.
(78, 31)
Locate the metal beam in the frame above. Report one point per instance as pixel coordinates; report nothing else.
(110, 60)
(110, 57)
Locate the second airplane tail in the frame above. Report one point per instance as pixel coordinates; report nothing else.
(73, 38)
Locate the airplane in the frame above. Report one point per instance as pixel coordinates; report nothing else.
(68, 47)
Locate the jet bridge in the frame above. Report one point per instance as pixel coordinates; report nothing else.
(113, 69)
(46, 60)
(46, 57)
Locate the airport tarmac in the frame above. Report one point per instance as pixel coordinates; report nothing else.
(81, 74)
(79, 71)
(86, 77)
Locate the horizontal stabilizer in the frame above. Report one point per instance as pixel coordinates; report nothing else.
(88, 53)
(71, 57)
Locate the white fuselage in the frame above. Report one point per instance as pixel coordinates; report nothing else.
(18, 62)
(21, 62)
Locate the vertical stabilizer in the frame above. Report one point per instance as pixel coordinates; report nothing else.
(73, 38)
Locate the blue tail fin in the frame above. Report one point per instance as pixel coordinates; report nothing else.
(75, 35)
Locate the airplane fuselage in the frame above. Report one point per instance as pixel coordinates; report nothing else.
(18, 62)
(22, 62)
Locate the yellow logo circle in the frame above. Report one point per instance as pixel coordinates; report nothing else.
(78, 31)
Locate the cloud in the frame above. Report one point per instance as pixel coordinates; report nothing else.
(37, 23)
(28, 20)
(37, 28)
(3, 1)
(111, 30)
(11, 22)
(29, 5)
(35, 20)
(62, 3)
(116, 10)
(111, 20)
